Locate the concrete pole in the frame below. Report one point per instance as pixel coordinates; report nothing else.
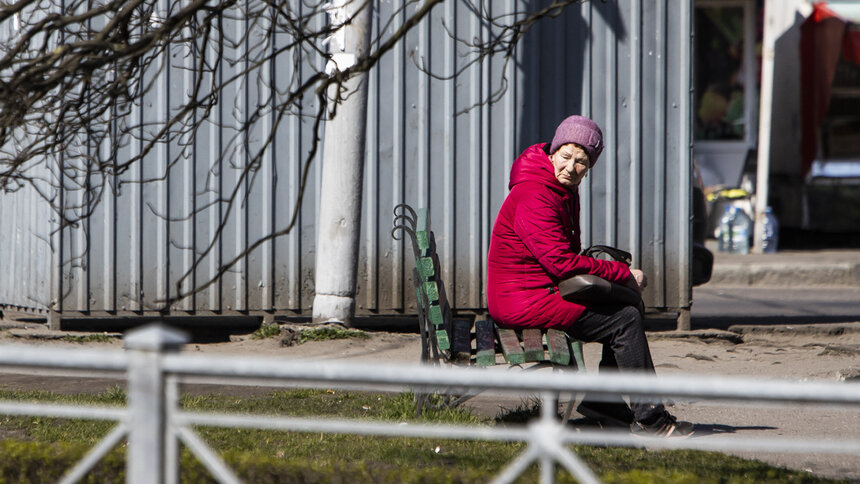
(146, 463)
(339, 220)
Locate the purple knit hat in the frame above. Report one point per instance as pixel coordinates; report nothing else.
(582, 131)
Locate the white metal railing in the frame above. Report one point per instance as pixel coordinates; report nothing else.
(154, 424)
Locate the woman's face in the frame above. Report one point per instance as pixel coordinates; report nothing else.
(570, 164)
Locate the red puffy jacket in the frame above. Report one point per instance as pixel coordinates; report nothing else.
(535, 244)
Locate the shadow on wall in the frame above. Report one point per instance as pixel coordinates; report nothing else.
(201, 329)
(553, 85)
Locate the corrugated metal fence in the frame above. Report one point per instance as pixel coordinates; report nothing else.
(431, 143)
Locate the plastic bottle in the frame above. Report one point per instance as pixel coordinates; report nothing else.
(741, 230)
(770, 234)
(724, 229)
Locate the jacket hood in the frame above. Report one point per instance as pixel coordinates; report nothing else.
(534, 165)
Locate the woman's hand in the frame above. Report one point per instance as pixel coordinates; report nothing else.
(638, 280)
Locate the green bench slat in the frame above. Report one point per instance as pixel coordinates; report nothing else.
(511, 348)
(426, 268)
(422, 240)
(434, 315)
(557, 346)
(485, 343)
(422, 220)
(432, 311)
(442, 340)
(422, 231)
(425, 241)
(533, 345)
(432, 292)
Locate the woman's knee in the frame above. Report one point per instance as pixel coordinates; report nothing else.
(631, 318)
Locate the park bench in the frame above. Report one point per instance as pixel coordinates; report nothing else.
(471, 341)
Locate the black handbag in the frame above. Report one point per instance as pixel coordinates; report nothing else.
(588, 288)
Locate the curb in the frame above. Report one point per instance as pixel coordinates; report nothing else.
(794, 275)
(705, 335)
(827, 329)
(825, 268)
(735, 333)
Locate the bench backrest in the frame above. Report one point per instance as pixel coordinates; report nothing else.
(460, 339)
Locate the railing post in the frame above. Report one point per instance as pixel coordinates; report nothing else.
(146, 396)
(548, 419)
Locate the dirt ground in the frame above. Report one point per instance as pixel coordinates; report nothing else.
(829, 352)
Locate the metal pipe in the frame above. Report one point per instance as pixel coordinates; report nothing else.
(171, 437)
(95, 455)
(575, 465)
(415, 376)
(146, 401)
(78, 359)
(516, 467)
(62, 411)
(514, 434)
(219, 470)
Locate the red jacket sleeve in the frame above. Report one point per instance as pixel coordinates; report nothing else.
(538, 221)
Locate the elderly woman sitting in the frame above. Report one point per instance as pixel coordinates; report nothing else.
(536, 243)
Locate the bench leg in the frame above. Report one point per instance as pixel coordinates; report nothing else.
(420, 402)
(568, 409)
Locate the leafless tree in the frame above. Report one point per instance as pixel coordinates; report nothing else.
(74, 73)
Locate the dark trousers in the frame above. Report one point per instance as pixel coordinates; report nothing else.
(620, 330)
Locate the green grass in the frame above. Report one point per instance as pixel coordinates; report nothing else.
(38, 449)
(322, 334)
(266, 331)
(90, 338)
(310, 334)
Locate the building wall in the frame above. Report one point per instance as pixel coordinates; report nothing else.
(26, 221)
(431, 143)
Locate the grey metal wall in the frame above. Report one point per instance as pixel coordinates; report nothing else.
(25, 249)
(432, 143)
(626, 64)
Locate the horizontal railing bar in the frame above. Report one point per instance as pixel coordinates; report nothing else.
(717, 444)
(67, 358)
(345, 426)
(522, 433)
(88, 373)
(62, 411)
(284, 384)
(280, 385)
(417, 376)
(413, 376)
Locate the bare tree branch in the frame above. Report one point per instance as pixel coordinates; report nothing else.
(75, 77)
